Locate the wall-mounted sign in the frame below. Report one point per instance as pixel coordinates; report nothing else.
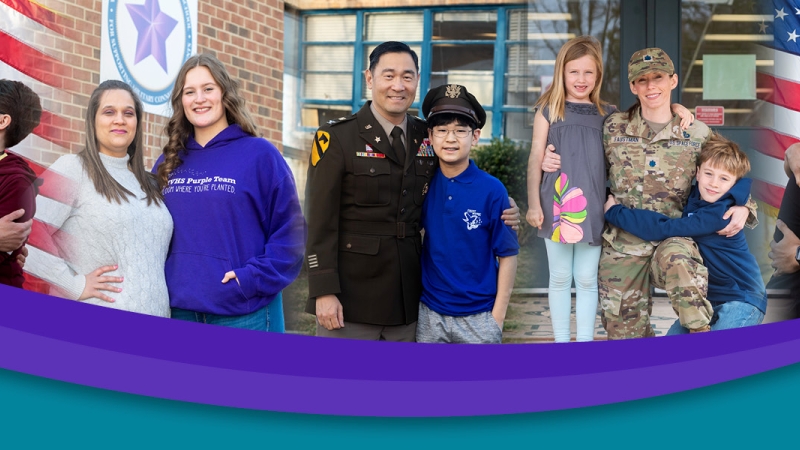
(710, 115)
(144, 43)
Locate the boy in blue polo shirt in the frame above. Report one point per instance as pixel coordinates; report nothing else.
(735, 288)
(468, 254)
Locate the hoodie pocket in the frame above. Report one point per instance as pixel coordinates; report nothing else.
(196, 279)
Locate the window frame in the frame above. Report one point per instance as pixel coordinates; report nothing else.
(499, 64)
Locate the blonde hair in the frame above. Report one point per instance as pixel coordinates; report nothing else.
(555, 96)
(722, 153)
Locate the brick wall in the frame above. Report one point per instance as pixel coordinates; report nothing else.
(246, 35)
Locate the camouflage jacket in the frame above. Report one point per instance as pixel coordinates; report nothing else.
(652, 171)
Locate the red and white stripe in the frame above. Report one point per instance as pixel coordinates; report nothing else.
(778, 114)
(29, 33)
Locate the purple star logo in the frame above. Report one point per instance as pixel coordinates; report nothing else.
(154, 27)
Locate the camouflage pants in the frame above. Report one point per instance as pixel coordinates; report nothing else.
(624, 287)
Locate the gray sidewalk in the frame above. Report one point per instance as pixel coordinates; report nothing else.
(528, 319)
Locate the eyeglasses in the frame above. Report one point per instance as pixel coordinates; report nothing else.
(460, 133)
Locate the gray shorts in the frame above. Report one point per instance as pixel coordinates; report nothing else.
(478, 328)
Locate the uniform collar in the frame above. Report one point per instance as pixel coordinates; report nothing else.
(373, 132)
(385, 124)
(638, 127)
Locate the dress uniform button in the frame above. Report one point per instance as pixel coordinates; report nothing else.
(449, 197)
(405, 191)
(371, 170)
(349, 245)
(402, 210)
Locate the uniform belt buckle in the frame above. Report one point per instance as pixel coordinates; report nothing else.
(401, 230)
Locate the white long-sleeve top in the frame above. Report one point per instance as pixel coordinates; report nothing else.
(94, 232)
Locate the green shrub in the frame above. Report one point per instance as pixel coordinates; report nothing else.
(507, 161)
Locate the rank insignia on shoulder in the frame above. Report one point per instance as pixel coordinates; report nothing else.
(426, 149)
(370, 154)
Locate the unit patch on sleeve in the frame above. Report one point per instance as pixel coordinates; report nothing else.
(321, 142)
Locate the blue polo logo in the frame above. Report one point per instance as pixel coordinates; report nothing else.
(150, 62)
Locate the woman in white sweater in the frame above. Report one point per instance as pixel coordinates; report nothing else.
(111, 231)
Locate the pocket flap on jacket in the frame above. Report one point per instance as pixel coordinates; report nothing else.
(354, 243)
(371, 166)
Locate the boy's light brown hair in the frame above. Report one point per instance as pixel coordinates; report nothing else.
(722, 153)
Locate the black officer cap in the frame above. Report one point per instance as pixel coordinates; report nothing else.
(453, 99)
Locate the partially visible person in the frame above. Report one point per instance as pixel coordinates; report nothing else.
(239, 231)
(735, 288)
(651, 162)
(111, 234)
(469, 256)
(785, 246)
(13, 234)
(368, 177)
(20, 111)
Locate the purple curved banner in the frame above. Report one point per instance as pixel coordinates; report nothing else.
(94, 346)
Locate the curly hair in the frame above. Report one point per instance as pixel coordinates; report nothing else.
(22, 104)
(179, 128)
(103, 182)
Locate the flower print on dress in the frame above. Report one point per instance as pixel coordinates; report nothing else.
(569, 209)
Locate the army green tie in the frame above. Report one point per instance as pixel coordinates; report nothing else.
(397, 144)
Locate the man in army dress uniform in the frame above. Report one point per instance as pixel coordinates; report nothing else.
(367, 179)
(652, 163)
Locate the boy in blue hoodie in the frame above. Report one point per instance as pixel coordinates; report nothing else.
(735, 288)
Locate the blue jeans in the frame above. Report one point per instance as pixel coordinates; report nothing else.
(275, 313)
(567, 262)
(727, 315)
(256, 320)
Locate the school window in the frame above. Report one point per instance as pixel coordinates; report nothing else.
(483, 48)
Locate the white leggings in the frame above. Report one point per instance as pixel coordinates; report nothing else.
(566, 261)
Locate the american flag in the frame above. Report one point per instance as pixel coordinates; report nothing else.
(30, 38)
(780, 118)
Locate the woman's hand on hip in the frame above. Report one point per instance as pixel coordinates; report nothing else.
(97, 282)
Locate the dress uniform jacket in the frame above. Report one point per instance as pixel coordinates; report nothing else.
(363, 208)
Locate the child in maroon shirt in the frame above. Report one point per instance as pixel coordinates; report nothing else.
(20, 112)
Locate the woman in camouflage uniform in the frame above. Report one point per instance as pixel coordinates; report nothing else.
(651, 164)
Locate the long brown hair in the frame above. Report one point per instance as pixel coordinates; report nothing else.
(104, 183)
(179, 128)
(555, 96)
